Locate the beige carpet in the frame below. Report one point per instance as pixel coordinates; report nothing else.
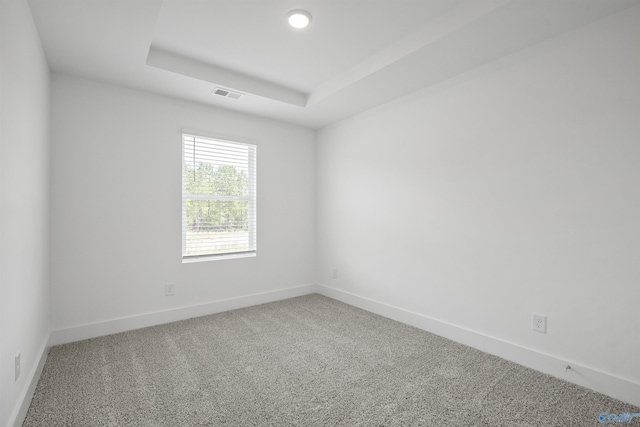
(308, 361)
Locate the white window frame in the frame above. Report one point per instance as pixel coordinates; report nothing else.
(251, 199)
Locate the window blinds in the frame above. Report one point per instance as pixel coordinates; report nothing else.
(218, 197)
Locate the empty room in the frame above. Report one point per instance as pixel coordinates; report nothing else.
(320, 213)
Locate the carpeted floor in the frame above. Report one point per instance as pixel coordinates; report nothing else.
(307, 361)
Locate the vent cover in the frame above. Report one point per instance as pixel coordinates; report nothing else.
(227, 93)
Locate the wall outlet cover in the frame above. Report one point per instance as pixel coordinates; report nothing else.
(17, 367)
(169, 289)
(539, 323)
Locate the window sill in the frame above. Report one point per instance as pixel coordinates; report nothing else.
(205, 258)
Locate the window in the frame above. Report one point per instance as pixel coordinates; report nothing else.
(218, 198)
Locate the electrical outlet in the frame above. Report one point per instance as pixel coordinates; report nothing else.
(169, 289)
(335, 273)
(539, 323)
(17, 366)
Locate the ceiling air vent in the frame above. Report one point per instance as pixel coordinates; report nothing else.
(227, 93)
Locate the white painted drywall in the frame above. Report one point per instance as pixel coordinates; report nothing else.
(509, 190)
(24, 212)
(116, 205)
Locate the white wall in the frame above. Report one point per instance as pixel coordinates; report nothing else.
(116, 205)
(24, 212)
(509, 190)
(505, 191)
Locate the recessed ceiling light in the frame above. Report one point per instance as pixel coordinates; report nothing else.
(298, 18)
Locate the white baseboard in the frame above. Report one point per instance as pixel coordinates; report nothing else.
(113, 326)
(594, 379)
(20, 410)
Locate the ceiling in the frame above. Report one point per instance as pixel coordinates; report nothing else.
(355, 55)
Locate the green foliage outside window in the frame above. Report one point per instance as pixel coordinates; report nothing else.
(216, 215)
